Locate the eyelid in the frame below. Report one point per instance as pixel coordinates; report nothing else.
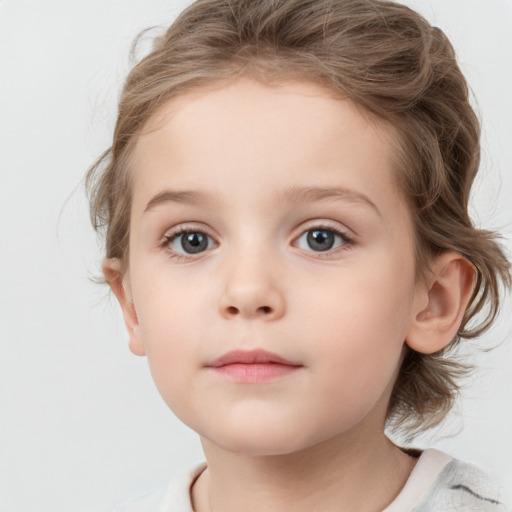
(346, 234)
(186, 227)
(172, 234)
(322, 224)
(327, 225)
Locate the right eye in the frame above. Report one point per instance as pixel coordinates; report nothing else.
(189, 242)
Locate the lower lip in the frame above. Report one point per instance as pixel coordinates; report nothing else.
(256, 372)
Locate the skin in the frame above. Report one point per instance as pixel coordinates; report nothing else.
(346, 315)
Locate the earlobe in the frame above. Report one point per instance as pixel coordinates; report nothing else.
(441, 303)
(120, 285)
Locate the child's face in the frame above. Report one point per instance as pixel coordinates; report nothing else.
(297, 242)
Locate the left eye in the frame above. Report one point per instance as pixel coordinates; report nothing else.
(190, 242)
(321, 240)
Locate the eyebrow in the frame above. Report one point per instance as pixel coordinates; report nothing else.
(294, 195)
(297, 194)
(170, 196)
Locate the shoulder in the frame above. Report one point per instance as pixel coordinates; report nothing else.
(174, 497)
(463, 486)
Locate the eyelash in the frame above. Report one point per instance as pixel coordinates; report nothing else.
(168, 239)
(347, 241)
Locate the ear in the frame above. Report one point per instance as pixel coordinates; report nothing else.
(120, 285)
(440, 303)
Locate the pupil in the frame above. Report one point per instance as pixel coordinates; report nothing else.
(320, 240)
(194, 242)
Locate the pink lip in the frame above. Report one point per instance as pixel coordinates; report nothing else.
(252, 366)
(249, 357)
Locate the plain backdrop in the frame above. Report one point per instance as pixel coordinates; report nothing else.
(82, 427)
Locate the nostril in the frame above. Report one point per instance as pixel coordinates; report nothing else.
(234, 311)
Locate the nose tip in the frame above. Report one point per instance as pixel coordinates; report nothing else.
(255, 301)
(252, 286)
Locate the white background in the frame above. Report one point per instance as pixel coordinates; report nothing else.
(81, 425)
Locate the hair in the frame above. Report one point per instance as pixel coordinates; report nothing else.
(386, 59)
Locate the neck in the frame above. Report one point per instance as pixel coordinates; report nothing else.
(350, 472)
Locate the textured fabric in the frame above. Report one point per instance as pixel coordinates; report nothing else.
(462, 486)
(173, 498)
(438, 483)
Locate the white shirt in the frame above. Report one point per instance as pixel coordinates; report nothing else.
(438, 483)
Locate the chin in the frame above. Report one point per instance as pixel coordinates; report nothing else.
(258, 448)
(266, 440)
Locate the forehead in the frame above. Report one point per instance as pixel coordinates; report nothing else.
(245, 101)
(245, 136)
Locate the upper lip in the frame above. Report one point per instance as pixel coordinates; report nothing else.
(250, 357)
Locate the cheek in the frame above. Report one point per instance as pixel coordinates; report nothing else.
(168, 321)
(372, 296)
(361, 321)
(169, 303)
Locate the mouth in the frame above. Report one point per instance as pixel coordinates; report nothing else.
(252, 366)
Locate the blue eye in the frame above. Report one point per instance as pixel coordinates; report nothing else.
(321, 239)
(189, 242)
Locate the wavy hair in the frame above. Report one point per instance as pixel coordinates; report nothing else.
(385, 58)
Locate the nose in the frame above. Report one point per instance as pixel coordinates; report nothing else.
(252, 290)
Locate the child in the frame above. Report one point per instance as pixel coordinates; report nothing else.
(285, 211)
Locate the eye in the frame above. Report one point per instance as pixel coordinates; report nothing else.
(322, 239)
(189, 242)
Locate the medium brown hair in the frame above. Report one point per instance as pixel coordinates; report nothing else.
(388, 60)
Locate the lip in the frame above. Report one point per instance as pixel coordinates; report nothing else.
(252, 366)
(258, 356)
